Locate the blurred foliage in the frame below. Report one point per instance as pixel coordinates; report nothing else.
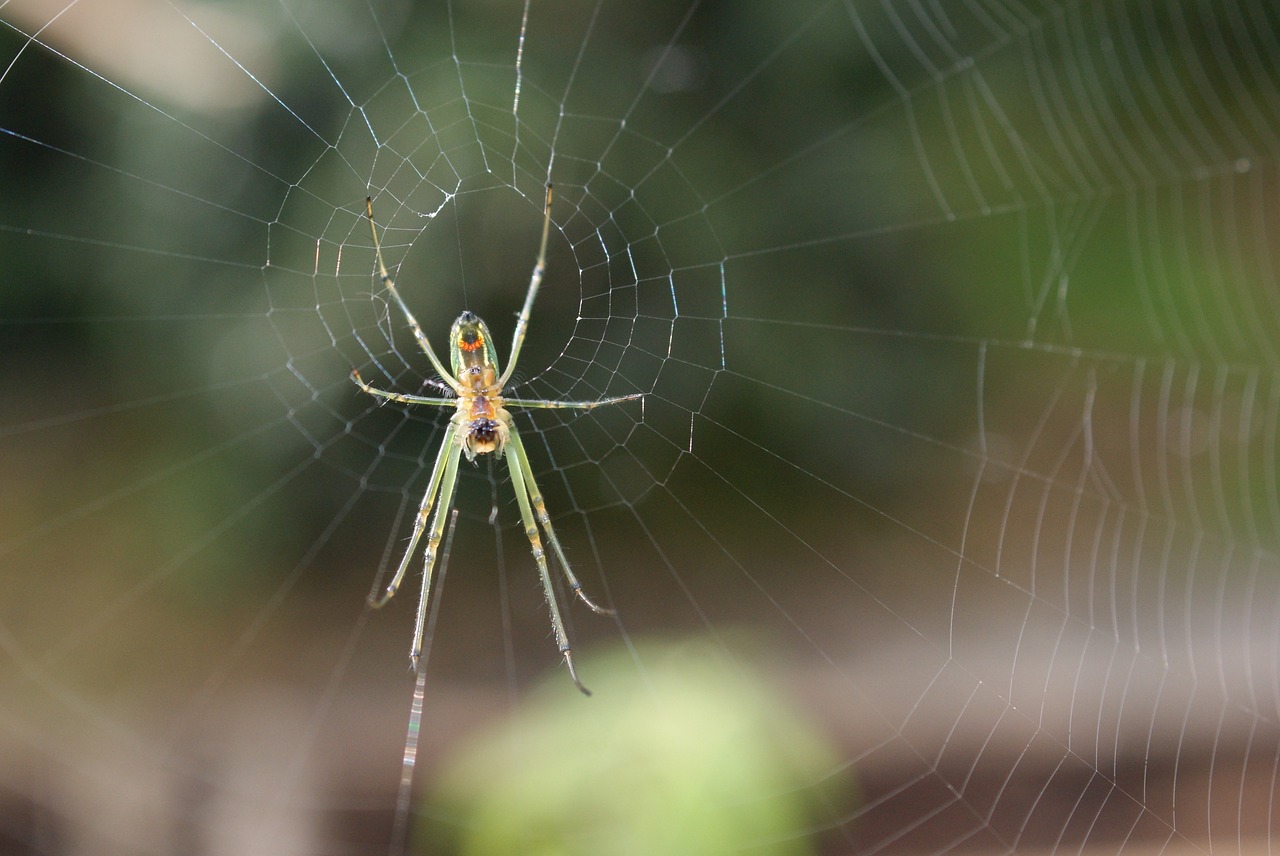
(689, 753)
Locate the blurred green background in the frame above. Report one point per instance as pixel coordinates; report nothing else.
(954, 479)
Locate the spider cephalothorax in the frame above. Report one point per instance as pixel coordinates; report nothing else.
(481, 425)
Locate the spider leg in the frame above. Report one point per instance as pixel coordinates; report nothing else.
(449, 481)
(544, 404)
(418, 335)
(526, 495)
(539, 267)
(445, 469)
(400, 397)
(540, 511)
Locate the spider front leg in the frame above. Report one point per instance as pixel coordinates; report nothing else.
(419, 336)
(535, 280)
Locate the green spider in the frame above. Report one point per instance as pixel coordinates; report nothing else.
(481, 425)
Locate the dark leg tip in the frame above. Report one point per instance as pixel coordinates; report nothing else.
(573, 673)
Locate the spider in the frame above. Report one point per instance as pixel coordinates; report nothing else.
(481, 425)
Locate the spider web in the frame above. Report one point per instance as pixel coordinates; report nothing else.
(955, 473)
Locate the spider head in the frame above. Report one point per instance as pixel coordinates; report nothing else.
(469, 346)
